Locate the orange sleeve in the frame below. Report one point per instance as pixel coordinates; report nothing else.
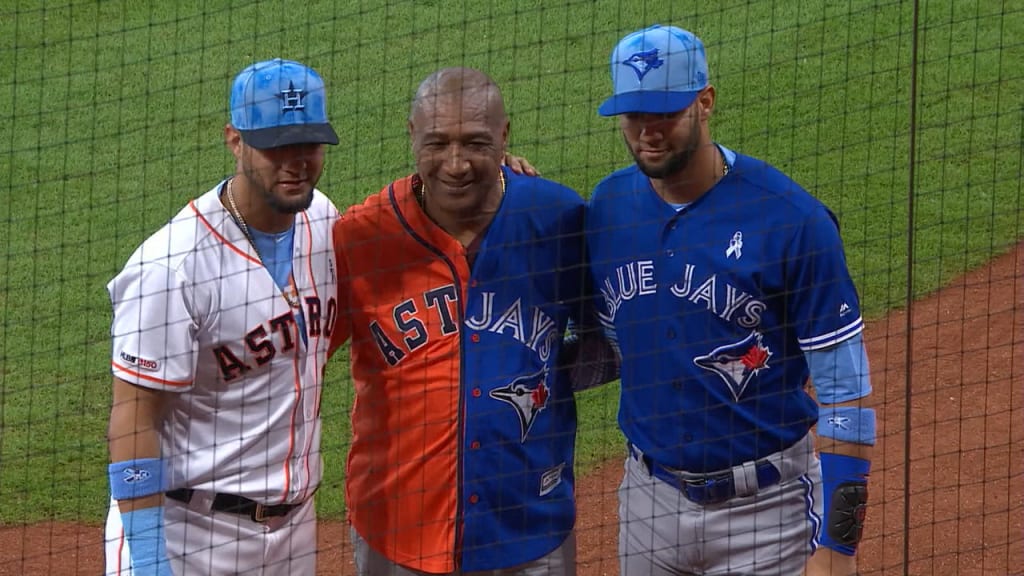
(343, 326)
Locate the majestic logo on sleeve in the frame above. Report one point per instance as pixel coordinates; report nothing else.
(736, 364)
(528, 395)
(644, 62)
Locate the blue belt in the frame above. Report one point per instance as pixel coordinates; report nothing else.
(706, 489)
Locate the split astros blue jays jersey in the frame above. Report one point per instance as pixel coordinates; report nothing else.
(714, 306)
(463, 426)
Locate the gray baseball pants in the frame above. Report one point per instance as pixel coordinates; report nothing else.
(771, 533)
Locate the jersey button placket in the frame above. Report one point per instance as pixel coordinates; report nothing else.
(473, 498)
(672, 226)
(474, 445)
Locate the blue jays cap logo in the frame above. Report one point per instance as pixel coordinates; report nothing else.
(644, 62)
(528, 395)
(667, 70)
(736, 364)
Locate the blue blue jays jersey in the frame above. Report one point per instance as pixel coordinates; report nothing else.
(713, 306)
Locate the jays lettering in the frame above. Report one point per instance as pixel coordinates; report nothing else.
(736, 364)
(406, 330)
(532, 327)
(636, 279)
(276, 336)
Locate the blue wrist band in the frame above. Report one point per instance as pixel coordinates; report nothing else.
(147, 546)
(844, 487)
(136, 478)
(848, 424)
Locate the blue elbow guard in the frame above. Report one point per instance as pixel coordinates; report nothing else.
(147, 546)
(845, 490)
(136, 478)
(848, 424)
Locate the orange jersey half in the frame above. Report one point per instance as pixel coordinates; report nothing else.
(402, 281)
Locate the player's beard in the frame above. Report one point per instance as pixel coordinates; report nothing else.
(289, 205)
(676, 162)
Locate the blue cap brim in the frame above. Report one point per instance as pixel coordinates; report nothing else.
(646, 103)
(266, 138)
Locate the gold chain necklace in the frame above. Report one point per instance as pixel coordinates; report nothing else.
(289, 294)
(237, 215)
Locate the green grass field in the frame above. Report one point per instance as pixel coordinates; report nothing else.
(112, 115)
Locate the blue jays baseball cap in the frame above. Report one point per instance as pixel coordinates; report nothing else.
(278, 103)
(657, 70)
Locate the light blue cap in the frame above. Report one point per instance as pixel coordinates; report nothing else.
(278, 103)
(657, 70)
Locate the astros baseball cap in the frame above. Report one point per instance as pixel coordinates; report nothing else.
(657, 70)
(280, 102)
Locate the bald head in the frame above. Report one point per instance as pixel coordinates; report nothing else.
(461, 87)
(459, 130)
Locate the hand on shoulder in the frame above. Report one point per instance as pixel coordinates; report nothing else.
(520, 165)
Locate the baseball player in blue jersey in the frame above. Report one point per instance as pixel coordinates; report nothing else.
(727, 287)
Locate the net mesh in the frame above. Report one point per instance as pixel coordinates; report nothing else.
(904, 118)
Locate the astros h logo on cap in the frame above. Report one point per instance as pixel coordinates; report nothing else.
(278, 103)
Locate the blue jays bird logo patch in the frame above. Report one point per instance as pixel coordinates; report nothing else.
(644, 62)
(736, 364)
(528, 395)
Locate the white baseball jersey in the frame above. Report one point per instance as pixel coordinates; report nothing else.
(197, 314)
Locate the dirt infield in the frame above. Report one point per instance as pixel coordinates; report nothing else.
(966, 461)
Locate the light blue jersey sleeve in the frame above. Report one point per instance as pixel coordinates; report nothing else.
(840, 373)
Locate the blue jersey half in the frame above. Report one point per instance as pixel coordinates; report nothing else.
(714, 306)
(527, 281)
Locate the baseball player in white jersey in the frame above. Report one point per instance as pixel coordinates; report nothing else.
(220, 332)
